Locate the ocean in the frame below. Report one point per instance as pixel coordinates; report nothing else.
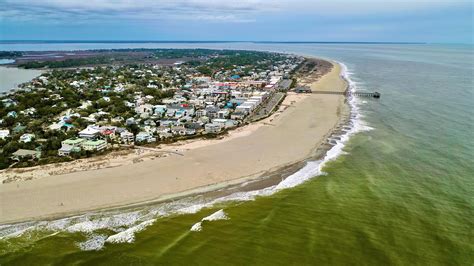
(397, 190)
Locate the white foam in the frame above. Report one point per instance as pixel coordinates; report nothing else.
(310, 170)
(114, 221)
(218, 215)
(196, 227)
(128, 236)
(95, 242)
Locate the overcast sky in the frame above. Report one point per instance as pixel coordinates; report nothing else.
(446, 21)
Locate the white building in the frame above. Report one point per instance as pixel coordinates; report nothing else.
(145, 137)
(91, 132)
(4, 133)
(126, 136)
(25, 138)
(212, 128)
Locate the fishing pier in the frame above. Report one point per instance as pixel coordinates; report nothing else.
(346, 92)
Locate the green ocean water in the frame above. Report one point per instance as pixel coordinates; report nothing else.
(401, 194)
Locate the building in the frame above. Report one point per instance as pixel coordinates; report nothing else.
(237, 116)
(222, 114)
(178, 130)
(4, 133)
(25, 138)
(70, 145)
(212, 128)
(91, 132)
(127, 137)
(94, 145)
(21, 154)
(144, 137)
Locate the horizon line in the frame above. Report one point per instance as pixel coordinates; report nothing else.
(206, 41)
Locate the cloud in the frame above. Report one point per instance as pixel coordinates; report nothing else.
(212, 10)
(74, 11)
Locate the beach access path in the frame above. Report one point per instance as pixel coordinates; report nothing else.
(284, 138)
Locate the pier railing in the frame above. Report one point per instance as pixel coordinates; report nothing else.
(349, 93)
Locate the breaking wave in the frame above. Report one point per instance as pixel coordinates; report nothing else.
(218, 215)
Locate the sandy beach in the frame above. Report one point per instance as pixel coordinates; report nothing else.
(292, 134)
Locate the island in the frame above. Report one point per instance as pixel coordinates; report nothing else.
(104, 129)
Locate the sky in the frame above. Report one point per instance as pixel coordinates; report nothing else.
(431, 21)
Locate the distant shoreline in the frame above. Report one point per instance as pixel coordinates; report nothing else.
(190, 41)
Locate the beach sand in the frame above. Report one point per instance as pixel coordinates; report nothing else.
(291, 135)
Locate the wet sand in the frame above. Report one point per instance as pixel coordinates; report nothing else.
(284, 139)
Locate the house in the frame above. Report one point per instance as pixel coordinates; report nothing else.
(221, 122)
(12, 114)
(8, 102)
(178, 130)
(94, 145)
(190, 131)
(21, 153)
(144, 137)
(70, 145)
(211, 111)
(108, 131)
(91, 132)
(223, 114)
(212, 128)
(130, 121)
(163, 129)
(200, 113)
(165, 135)
(18, 128)
(127, 136)
(4, 133)
(224, 123)
(193, 125)
(25, 138)
(159, 110)
(237, 116)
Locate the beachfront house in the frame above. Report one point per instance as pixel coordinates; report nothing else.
(213, 128)
(145, 137)
(178, 130)
(126, 136)
(237, 116)
(70, 145)
(94, 145)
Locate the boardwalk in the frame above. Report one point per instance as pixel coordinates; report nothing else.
(152, 149)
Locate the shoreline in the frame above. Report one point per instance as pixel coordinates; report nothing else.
(259, 179)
